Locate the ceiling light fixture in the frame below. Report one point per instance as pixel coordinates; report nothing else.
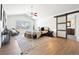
(32, 11)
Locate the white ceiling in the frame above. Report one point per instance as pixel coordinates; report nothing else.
(43, 10)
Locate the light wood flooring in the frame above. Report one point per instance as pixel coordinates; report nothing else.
(57, 46)
(44, 46)
(10, 49)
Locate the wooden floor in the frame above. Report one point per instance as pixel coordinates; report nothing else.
(10, 49)
(57, 46)
(45, 46)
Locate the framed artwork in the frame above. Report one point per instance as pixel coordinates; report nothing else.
(68, 23)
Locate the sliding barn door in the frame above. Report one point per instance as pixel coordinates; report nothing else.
(62, 26)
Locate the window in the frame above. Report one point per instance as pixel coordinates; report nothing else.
(23, 24)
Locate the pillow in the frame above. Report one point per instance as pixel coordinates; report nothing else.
(46, 28)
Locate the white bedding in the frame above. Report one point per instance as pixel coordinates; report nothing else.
(38, 33)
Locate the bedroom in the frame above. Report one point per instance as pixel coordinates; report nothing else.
(36, 23)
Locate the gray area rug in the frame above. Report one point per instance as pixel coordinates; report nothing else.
(25, 44)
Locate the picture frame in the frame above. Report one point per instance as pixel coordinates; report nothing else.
(68, 23)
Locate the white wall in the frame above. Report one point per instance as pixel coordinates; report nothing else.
(77, 26)
(72, 18)
(75, 19)
(11, 20)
